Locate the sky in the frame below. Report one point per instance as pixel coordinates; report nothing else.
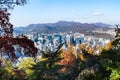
(50, 11)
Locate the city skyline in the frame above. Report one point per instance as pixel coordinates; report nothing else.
(50, 11)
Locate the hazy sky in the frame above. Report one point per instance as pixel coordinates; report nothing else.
(48, 11)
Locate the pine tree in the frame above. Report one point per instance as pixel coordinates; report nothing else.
(47, 68)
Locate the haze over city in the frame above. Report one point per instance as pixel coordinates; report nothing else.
(50, 11)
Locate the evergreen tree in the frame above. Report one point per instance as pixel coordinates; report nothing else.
(110, 60)
(47, 68)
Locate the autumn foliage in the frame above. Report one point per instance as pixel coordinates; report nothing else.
(68, 58)
(8, 41)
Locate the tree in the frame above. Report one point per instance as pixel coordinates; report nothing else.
(7, 40)
(25, 65)
(110, 60)
(47, 68)
(67, 56)
(8, 72)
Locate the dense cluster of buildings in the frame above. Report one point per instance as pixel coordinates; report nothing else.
(49, 42)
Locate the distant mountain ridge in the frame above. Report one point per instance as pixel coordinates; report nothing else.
(100, 24)
(62, 26)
